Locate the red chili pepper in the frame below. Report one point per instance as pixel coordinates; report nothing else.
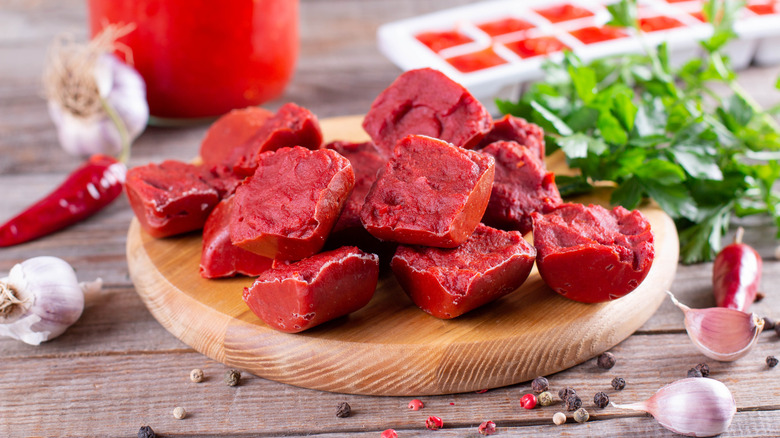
(87, 190)
(736, 274)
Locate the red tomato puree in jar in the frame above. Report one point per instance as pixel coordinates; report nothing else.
(202, 58)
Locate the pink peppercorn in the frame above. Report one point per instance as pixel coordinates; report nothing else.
(528, 401)
(434, 423)
(416, 405)
(487, 428)
(389, 433)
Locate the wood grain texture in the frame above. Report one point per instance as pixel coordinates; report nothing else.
(390, 347)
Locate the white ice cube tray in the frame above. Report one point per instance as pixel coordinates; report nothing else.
(400, 41)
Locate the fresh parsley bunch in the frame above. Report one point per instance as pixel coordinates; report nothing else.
(663, 133)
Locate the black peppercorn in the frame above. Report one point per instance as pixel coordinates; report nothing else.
(232, 377)
(693, 372)
(704, 369)
(344, 410)
(146, 432)
(601, 400)
(618, 383)
(769, 323)
(573, 402)
(540, 384)
(771, 361)
(777, 329)
(606, 360)
(564, 393)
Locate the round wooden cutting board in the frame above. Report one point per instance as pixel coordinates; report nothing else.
(390, 347)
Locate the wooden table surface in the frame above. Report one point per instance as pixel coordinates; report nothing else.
(117, 369)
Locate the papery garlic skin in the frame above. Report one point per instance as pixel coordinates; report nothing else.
(696, 406)
(52, 300)
(720, 333)
(123, 89)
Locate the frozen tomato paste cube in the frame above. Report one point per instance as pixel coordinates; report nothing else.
(450, 282)
(288, 207)
(426, 102)
(476, 60)
(659, 22)
(170, 198)
(291, 126)
(219, 257)
(429, 193)
(348, 231)
(222, 179)
(504, 26)
(366, 162)
(536, 46)
(517, 129)
(521, 186)
(594, 34)
(438, 41)
(230, 132)
(564, 12)
(298, 296)
(591, 254)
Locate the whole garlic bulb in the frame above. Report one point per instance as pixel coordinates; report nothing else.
(39, 300)
(97, 102)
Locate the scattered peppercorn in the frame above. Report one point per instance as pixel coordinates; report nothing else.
(618, 383)
(540, 384)
(344, 410)
(545, 398)
(528, 401)
(581, 415)
(559, 418)
(606, 360)
(566, 392)
(487, 428)
(601, 400)
(146, 432)
(232, 377)
(416, 405)
(389, 433)
(179, 413)
(777, 329)
(704, 369)
(434, 423)
(573, 402)
(771, 361)
(693, 372)
(196, 375)
(769, 323)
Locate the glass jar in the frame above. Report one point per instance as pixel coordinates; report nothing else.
(202, 58)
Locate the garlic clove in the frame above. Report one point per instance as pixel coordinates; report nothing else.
(720, 333)
(696, 406)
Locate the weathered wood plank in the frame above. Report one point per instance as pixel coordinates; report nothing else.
(136, 387)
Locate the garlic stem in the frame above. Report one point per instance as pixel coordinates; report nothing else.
(121, 127)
